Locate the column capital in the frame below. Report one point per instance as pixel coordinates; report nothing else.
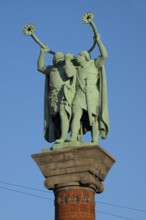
(75, 167)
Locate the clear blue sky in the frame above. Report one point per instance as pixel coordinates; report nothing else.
(122, 25)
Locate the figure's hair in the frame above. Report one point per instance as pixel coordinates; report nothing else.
(56, 54)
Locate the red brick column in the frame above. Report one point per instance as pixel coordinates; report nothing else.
(74, 203)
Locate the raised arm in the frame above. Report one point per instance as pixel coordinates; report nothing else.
(69, 67)
(103, 52)
(41, 60)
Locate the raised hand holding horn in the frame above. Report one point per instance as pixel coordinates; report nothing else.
(29, 30)
(88, 18)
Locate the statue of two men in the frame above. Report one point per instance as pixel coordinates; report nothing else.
(75, 95)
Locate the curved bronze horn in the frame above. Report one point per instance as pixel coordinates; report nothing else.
(29, 30)
(88, 18)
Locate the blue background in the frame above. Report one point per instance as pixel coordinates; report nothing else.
(122, 25)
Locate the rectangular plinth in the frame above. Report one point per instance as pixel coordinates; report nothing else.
(74, 163)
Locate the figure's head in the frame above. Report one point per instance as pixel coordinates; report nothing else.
(58, 58)
(83, 57)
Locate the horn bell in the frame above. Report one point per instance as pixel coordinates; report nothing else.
(29, 29)
(87, 18)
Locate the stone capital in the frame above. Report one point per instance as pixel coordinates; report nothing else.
(75, 167)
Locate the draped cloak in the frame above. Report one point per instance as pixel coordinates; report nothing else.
(103, 113)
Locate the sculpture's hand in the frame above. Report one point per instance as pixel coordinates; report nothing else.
(45, 49)
(69, 56)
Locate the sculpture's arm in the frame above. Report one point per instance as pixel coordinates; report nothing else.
(41, 61)
(103, 52)
(69, 67)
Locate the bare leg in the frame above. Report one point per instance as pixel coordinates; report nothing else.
(64, 124)
(75, 125)
(95, 130)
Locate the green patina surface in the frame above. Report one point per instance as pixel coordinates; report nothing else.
(75, 92)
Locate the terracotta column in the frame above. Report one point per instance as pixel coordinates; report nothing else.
(75, 174)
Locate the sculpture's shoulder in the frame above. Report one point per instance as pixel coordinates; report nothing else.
(90, 66)
(50, 67)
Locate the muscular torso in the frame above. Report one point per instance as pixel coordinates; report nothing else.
(88, 75)
(87, 93)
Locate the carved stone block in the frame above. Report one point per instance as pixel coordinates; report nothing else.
(75, 166)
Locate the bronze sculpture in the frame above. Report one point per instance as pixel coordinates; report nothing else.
(75, 91)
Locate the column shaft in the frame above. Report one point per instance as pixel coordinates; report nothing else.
(76, 203)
